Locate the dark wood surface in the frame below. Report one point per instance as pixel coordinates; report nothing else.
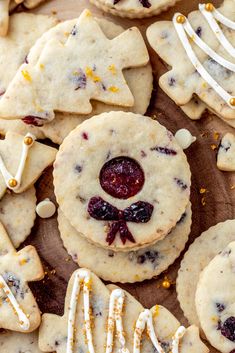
(219, 198)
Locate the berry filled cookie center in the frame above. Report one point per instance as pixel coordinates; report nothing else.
(122, 177)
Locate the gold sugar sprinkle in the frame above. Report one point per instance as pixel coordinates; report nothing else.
(26, 75)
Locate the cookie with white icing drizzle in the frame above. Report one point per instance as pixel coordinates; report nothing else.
(22, 161)
(108, 319)
(18, 310)
(134, 8)
(96, 74)
(205, 43)
(139, 81)
(120, 189)
(139, 265)
(12, 342)
(215, 300)
(204, 249)
(226, 153)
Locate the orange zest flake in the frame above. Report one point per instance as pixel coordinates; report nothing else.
(156, 311)
(113, 89)
(202, 190)
(203, 201)
(26, 75)
(213, 146)
(216, 135)
(112, 69)
(88, 13)
(91, 75)
(23, 262)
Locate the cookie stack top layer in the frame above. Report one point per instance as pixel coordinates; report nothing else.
(121, 173)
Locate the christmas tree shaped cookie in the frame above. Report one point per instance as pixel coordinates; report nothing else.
(66, 77)
(205, 45)
(18, 309)
(108, 319)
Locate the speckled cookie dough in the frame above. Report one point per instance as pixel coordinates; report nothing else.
(215, 300)
(139, 81)
(18, 310)
(24, 30)
(17, 214)
(16, 342)
(96, 74)
(139, 265)
(200, 253)
(212, 81)
(134, 8)
(119, 323)
(38, 158)
(226, 153)
(145, 174)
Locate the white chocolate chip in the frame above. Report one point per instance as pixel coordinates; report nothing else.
(45, 209)
(184, 138)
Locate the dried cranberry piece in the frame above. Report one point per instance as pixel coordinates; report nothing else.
(122, 177)
(145, 3)
(139, 212)
(102, 210)
(33, 120)
(164, 150)
(228, 328)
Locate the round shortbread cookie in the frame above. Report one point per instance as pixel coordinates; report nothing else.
(215, 300)
(12, 342)
(198, 256)
(134, 8)
(139, 265)
(17, 214)
(139, 81)
(122, 161)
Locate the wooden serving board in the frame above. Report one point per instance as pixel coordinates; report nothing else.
(219, 198)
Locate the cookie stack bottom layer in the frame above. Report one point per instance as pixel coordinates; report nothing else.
(139, 265)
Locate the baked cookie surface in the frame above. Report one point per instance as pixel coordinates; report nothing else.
(130, 178)
(215, 300)
(205, 45)
(138, 79)
(198, 256)
(96, 74)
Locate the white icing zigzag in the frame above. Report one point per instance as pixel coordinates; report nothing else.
(82, 280)
(14, 182)
(23, 319)
(185, 30)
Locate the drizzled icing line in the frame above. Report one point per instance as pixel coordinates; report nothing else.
(23, 319)
(14, 182)
(211, 18)
(145, 319)
(184, 29)
(82, 281)
(116, 303)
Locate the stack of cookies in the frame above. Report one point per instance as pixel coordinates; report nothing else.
(122, 183)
